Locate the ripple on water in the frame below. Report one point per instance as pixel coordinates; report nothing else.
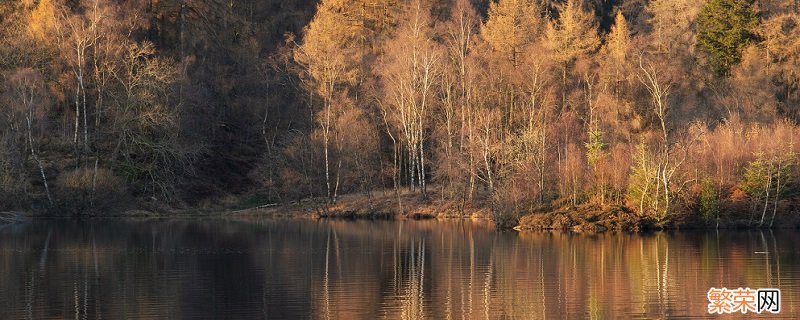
(297, 269)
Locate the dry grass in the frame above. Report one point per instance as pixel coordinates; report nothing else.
(380, 204)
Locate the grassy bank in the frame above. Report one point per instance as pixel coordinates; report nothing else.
(382, 204)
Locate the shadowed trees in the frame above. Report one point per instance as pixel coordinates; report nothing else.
(26, 100)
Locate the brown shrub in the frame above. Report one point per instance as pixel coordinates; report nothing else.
(738, 195)
(86, 192)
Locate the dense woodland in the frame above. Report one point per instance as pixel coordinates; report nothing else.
(671, 109)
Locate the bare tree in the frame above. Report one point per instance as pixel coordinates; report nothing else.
(411, 71)
(326, 56)
(29, 97)
(145, 121)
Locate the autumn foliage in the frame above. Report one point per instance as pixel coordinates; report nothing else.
(674, 110)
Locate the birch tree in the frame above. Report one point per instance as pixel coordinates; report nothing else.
(460, 32)
(409, 76)
(325, 54)
(667, 162)
(28, 102)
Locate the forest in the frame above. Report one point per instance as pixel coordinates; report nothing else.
(669, 112)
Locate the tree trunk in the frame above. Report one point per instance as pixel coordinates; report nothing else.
(412, 164)
(338, 176)
(326, 142)
(766, 198)
(35, 156)
(77, 124)
(564, 86)
(396, 175)
(94, 182)
(777, 195)
(422, 168)
(665, 179)
(488, 172)
(327, 168)
(85, 119)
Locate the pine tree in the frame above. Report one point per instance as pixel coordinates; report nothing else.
(512, 25)
(724, 29)
(618, 39)
(572, 35)
(616, 53)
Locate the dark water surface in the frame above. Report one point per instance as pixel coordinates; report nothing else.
(300, 269)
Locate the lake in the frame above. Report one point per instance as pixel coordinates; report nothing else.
(298, 269)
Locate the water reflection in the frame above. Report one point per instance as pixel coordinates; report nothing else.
(266, 269)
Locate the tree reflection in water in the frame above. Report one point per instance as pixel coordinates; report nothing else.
(264, 268)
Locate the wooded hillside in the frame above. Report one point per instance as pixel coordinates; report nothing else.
(668, 108)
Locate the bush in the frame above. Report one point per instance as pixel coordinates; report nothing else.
(709, 202)
(643, 184)
(770, 179)
(86, 192)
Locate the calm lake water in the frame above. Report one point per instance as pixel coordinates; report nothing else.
(299, 269)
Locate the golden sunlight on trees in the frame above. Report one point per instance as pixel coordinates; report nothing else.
(781, 50)
(456, 90)
(617, 53)
(326, 54)
(660, 108)
(572, 35)
(412, 67)
(672, 24)
(43, 22)
(512, 26)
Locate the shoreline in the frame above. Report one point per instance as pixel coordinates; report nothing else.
(383, 205)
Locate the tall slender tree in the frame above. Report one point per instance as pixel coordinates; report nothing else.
(573, 34)
(412, 68)
(325, 53)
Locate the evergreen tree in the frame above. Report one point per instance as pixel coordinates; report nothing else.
(616, 53)
(512, 25)
(618, 39)
(724, 29)
(573, 34)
